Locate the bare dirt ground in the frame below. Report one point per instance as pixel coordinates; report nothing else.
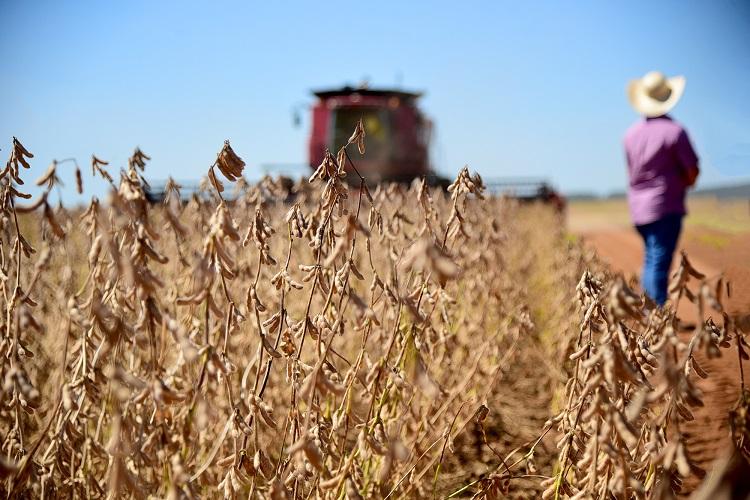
(713, 252)
(621, 248)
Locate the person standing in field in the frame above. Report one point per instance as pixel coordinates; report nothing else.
(662, 165)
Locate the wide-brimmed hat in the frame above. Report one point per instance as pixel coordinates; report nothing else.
(654, 94)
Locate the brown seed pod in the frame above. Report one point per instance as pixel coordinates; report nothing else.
(229, 163)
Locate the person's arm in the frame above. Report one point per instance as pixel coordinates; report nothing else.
(692, 175)
(687, 159)
(628, 164)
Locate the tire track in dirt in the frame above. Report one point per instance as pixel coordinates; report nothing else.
(708, 435)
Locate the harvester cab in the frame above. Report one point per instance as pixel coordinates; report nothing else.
(398, 133)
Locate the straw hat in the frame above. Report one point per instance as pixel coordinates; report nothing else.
(654, 94)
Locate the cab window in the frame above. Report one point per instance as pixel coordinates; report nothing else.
(377, 128)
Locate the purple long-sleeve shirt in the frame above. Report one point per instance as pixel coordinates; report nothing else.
(660, 158)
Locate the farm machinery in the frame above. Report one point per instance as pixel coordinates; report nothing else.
(398, 133)
(398, 136)
(398, 141)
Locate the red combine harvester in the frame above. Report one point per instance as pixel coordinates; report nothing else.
(397, 143)
(398, 134)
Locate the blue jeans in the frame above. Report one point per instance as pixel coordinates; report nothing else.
(660, 239)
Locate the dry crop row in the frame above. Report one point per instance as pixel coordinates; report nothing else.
(335, 341)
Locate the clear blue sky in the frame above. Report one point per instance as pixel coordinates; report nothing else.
(514, 88)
